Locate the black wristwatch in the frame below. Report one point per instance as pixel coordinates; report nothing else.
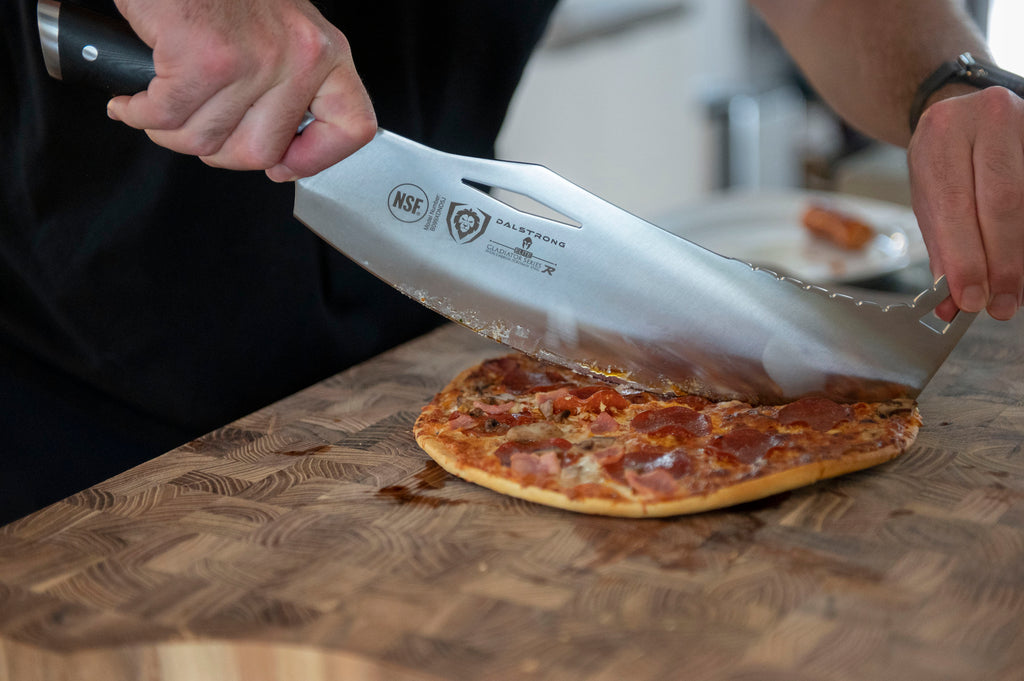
(964, 69)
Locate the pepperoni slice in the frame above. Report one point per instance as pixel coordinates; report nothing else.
(816, 412)
(592, 399)
(680, 421)
(585, 391)
(648, 458)
(602, 399)
(541, 391)
(501, 368)
(609, 455)
(513, 377)
(695, 402)
(615, 467)
(566, 402)
(745, 445)
(499, 424)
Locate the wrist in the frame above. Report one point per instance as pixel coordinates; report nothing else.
(948, 91)
(960, 76)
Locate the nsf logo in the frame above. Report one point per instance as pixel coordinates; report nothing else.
(408, 203)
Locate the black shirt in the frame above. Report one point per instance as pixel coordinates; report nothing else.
(146, 299)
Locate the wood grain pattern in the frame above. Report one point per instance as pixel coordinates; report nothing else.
(314, 540)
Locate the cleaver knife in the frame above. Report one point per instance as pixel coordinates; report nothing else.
(595, 289)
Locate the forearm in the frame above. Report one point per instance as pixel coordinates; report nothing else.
(866, 58)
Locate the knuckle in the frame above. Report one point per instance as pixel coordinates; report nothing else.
(998, 102)
(200, 142)
(202, 147)
(1000, 199)
(997, 105)
(962, 267)
(938, 119)
(363, 128)
(310, 46)
(254, 153)
(1005, 271)
(1000, 281)
(220, 64)
(339, 43)
(254, 158)
(954, 200)
(173, 105)
(167, 118)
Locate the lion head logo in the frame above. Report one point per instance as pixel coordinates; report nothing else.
(465, 223)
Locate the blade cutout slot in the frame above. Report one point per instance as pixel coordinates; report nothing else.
(523, 203)
(936, 322)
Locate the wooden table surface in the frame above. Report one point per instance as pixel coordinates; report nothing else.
(314, 540)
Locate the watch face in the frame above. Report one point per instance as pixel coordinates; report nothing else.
(973, 71)
(982, 74)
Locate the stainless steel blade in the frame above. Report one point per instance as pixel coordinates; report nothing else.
(614, 295)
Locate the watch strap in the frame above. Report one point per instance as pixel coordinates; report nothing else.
(964, 69)
(940, 77)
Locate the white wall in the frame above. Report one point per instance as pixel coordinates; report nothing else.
(625, 114)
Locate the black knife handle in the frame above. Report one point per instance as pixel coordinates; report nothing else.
(81, 46)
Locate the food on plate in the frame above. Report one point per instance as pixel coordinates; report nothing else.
(837, 227)
(545, 434)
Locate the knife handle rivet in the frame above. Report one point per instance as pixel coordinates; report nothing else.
(90, 53)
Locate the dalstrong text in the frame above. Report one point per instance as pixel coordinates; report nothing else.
(537, 236)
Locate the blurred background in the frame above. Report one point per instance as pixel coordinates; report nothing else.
(662, 105)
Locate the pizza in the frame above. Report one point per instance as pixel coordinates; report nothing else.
(839, 228)
(545, 434)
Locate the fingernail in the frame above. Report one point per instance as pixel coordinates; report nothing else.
(282, 173)
(1003, 306)
(973, 299)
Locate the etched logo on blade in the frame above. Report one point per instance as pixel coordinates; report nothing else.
(525, 251)
(522, 255)
(465, 223)
(408, 203)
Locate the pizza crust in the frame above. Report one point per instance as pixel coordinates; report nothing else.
(855, 459)
(743, 492)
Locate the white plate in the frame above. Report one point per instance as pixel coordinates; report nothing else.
(765, 229)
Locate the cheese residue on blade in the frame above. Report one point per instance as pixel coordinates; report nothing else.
(496, 330)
